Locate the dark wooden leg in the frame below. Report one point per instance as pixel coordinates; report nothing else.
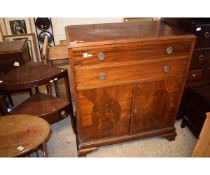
(37, 89)
(30, 92)
(170, 136)
(56, 89)
(10, 100)
(85, 151)
(44, 149)
(3, 109)
(183, 124)
(49, 89)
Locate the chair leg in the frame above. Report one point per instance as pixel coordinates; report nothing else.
(37, 89)
(56, 89)
(44, 149)
(3, 109)
(49, 89)
(10, 100)
(30, 92)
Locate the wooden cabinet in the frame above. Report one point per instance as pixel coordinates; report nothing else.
(13, 54)
(127, 80)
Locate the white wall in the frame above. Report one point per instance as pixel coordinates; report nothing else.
(60, 23)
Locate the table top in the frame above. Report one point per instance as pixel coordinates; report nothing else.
(20, 134)
(109, 33)
(30, 75)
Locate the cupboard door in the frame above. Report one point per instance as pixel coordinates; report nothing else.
(155, 105)
(104, 112)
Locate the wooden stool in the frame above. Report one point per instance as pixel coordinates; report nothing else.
(22, 134)
(199, 104)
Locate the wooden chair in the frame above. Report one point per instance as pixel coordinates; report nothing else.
(45, 60)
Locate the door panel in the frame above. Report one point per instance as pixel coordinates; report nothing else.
(155, 104)
(105, 112)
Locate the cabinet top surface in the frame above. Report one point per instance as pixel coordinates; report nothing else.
(79, 35)
(11, 46)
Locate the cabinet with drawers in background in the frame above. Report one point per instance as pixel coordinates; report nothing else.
(199, 73)
(13, 54)
(127, 80)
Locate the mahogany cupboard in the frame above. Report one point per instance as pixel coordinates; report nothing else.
(127, 80)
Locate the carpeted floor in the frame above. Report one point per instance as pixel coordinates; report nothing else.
(62, 143)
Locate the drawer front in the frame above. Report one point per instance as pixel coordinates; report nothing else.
(10, 61)
(203, 36)
(124, 52)
(200, 58)
(195, 75)
(93, 77)
(207, 73)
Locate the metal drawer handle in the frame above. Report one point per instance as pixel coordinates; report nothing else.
(207, 35)
(169, 50)
(166, 69)
(101, 76)
(200, 58)
(101, 56)
(194, 75)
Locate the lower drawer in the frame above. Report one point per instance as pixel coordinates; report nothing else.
(195, 75)
(99, 76)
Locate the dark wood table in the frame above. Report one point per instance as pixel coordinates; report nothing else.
(33, 75)
(23, 134)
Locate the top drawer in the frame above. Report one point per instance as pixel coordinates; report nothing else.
(203, 36)
(125, 52)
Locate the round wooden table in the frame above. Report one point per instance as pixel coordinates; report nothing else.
(23, 134)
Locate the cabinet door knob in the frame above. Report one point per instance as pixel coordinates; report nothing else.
(101, 56)
(101, 76)
(194, 75)
(200, 58)
(207, 35)
(169, 50)
(166, 69)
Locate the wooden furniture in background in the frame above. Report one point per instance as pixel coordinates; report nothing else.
(199, 73)
(46, 106)
(23, 134)
(12, 54)
(58, 55)
(198, 105)
(202, 147)
(127, 80)
(137, 19)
